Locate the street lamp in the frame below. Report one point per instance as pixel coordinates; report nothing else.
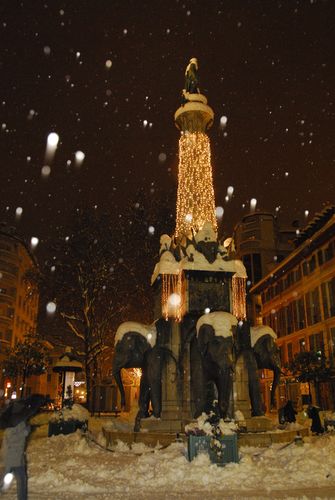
(67, 365)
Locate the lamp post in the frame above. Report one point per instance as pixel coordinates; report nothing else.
(67, 365)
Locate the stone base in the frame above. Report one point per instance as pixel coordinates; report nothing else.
(264, 439)
(159, 425)
(147, 438)
(261, 439)
(259, 424)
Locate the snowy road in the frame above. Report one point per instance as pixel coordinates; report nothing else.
(71, 467)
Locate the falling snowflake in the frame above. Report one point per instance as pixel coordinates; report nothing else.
(51, 307)
(46, 171)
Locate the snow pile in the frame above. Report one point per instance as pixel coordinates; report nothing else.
(227, 428)
(77, 412)
(202, 426)
(67, 467)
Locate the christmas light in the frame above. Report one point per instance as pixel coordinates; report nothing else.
(239, 297)
(195, 195)
(173, 296)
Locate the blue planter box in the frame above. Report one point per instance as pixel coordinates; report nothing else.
(65, 427)
(202, 444)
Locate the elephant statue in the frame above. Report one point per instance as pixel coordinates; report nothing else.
(266, 351)
(214, 343)
(142, 346)
(244, 348)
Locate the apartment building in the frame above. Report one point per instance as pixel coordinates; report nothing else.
(297, 299)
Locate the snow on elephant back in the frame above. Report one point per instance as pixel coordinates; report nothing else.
(147, 331)
(258, 331)
(221, 322)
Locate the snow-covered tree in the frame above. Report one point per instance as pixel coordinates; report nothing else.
(310, 366)
(97, 277)
(28, 357)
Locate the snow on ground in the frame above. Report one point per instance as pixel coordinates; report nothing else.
(73, 467)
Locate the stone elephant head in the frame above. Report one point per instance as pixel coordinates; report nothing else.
(266, 351)
(141, 346)
(215, 343)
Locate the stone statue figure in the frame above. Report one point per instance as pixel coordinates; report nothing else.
(191, 77)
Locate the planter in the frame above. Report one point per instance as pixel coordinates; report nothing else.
(65, 427)
(228, 451)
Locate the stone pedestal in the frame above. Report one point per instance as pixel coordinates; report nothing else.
(186, 386)
(259, 424)
(195, 115)
(171, 416)
(240, 388)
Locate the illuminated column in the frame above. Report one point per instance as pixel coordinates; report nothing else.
(195, 194)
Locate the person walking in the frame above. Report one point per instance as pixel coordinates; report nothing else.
(289, 412)
(14, 420)
(13, 454)
(313, 413)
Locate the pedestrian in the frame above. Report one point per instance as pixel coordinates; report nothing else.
(13, 454)
(289, 412)
(313, 413)
(14, 420)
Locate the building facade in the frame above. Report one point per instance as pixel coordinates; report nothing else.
(18, 313)
(260, 243)
(297, 299)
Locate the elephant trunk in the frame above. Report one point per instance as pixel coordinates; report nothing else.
(118, 379)
(276, 379)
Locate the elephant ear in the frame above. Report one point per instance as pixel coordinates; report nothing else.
(264, 347)
(134, 341)
(141, 343)
(205, 335)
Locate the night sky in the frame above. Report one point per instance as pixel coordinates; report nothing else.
(268, 66)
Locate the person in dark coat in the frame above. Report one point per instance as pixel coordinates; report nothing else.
(313, 413)
(289, 412)
(14, 420)
(13, 454)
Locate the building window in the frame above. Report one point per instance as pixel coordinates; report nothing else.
(313, 307)
(253, 266)
(316, 342)
(321, 257)
(328, 298)
(300, 310)
(332, 344)
(312, 263)
(330, 251)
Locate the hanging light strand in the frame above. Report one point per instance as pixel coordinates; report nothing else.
(173, 296)
(239, 297)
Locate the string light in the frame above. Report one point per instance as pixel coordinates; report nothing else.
(195, 195)
(239, 297)
(173, 296)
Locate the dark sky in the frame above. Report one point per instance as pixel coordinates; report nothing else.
(268, 66)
